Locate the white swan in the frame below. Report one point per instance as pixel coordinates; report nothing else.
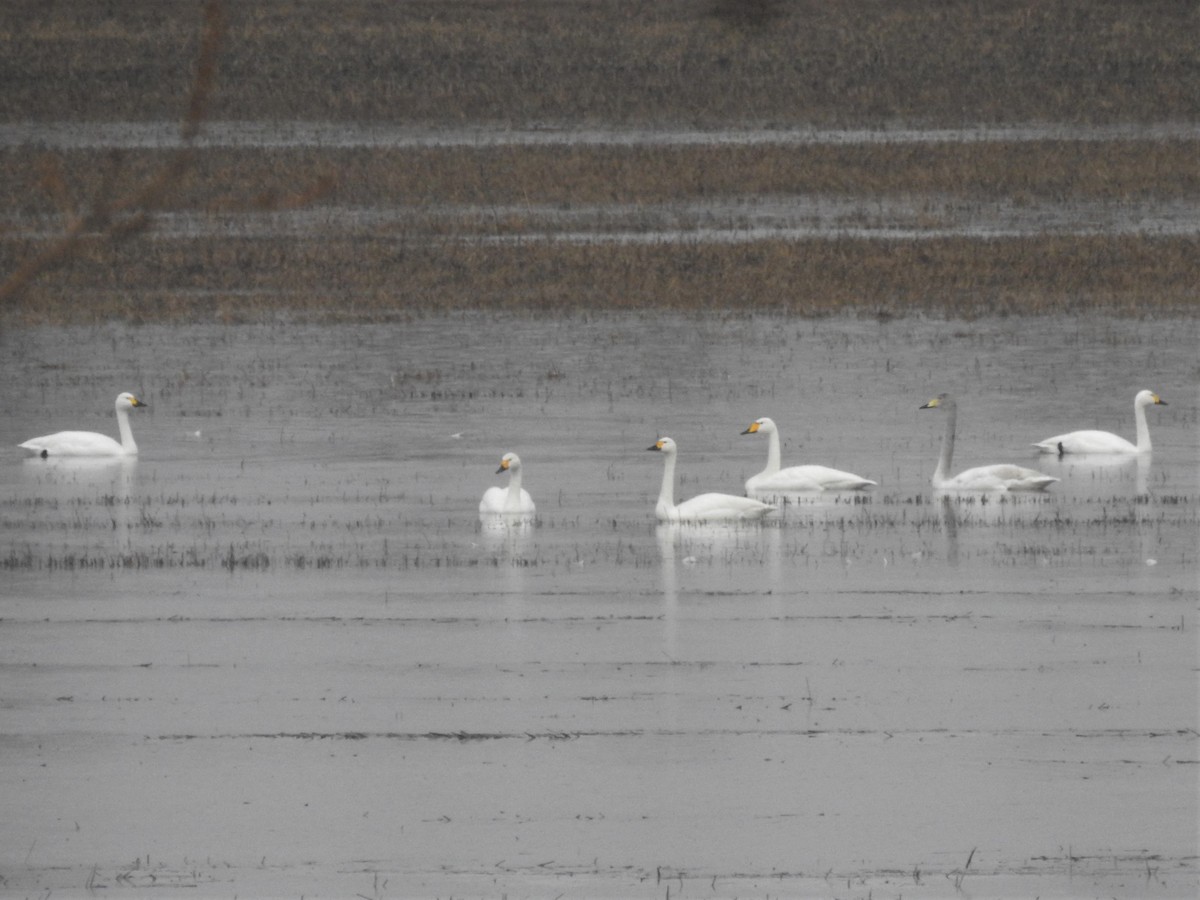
(512, 500)
(1000, 477)
(1106, 441)
(89, 443)
(704, 507)
(796, 478)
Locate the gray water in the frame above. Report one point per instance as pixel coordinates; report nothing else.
(279, 134)
(279, 654)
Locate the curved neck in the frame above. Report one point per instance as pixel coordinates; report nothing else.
(513, 500)
(942, 472)
(666, 494)
(1143, 430)
(773, 457)
(127, 442)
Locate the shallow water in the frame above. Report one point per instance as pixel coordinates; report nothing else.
(721, 221)
(279, 654)
(277, 134)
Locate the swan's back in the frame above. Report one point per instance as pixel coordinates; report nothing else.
(715, 507)
(1086, 442)
(806, 478)
(999, 477)
(73, 443)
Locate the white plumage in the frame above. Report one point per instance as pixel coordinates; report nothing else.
(999, 477)
(711, 507)
(1106, 441)
(511, 500)
(774, 479)
(89, 443)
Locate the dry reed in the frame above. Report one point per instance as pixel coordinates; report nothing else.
(688, 63)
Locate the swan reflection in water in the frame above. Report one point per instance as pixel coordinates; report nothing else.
(1104, 471)
(109, 479)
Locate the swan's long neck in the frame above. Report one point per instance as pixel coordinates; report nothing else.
(666, 494)
(513, 500)
(130, 446)
(1143, 430)
(942, 472)
(773, 456)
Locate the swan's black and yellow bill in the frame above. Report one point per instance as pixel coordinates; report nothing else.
(657, 445)
(503, 466)
(753, 429)
(1159, 401)
(932, 404)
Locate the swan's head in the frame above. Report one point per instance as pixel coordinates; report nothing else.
(128, 401)
(664, 444)
(941, 401)
(763, 426)
(1148, 398)
(509, 462)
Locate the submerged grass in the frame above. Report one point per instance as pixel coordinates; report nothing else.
(156, 534)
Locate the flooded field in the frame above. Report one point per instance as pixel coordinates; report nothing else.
(279, 654)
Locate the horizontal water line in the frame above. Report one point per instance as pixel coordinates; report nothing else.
(352, 135)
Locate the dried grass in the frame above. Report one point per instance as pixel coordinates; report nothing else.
(696, 63)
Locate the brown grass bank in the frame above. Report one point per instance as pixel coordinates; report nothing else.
(712, 64)
(380, 279)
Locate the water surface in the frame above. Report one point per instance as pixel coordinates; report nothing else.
(280, 654)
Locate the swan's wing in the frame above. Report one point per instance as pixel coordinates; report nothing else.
(527, 504)
(73, 443)
(1086, 442)
(805, 478)
(714, 507)
(1000, 477)
(1018, 478)
(831, 479)
(493, 499)
(783, 481)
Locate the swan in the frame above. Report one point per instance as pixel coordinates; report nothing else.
(796, 478)
(89, 443)
(1106, 441)
(704, 507)
(511, 500)
(1000, 477)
